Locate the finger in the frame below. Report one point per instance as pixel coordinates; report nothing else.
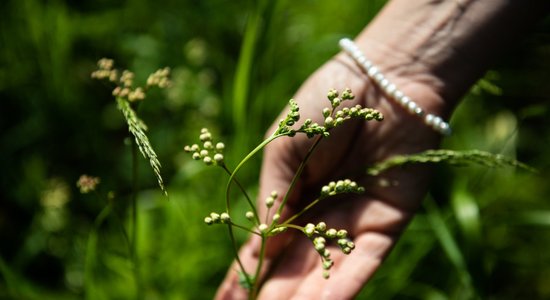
(354, 270)
(300, 274)
(293, 268)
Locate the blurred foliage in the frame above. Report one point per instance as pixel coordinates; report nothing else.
(482, 232)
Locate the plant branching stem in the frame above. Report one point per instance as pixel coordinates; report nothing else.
(308, 207)
(227, 205)
(253, 293)
(298, 174)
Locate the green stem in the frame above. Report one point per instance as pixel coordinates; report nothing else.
(237, 257)
(253, 293)
(309, 206)
(240, 187)
(134, 221)
(227, 202)
(245, 228)
(232, 176)
(300, 228)
(298, 174)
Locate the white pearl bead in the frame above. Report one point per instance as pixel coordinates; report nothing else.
(378, 77)
(398, 95)
(429, 119)
(445, 128)
(390, 89)
(372, 71)
(367, 65)
(437, 121)
(411, 106)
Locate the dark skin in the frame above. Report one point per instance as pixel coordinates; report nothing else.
(419, 66)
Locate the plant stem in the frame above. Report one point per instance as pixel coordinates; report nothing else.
(240, 187)
(232, 176)
(227, 203)
(253, 293)
(298, 174)
(309, 206)
(134, 221)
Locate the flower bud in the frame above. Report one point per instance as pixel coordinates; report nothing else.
(215, 216)
(342, 233)
(263, 228)
(321, 226)
(207, 160)
(218, 157)
(269, 201)
(224, 217)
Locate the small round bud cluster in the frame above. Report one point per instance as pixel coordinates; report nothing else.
(347, 94)
(346, 113)
(215, 218)
(127, 92)
(357, 111)
(209, 153)
(291, 118)
(340, 187)
(312, 129)
(159, 78)
(319, 234)
(105, 70)
(127, 78)
(87, 183)
(124, 88)
(270, 200)
(335, 100)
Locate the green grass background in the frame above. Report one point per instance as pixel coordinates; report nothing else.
(482, 233)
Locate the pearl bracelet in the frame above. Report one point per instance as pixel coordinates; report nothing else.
(391, 90)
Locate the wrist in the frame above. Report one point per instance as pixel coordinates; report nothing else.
(444, 46)
(402, 97)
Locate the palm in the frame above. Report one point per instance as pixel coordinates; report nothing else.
(373, 219)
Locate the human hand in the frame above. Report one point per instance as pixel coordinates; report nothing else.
(374, 219)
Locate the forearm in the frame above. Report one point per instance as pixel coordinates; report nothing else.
(445, 45)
